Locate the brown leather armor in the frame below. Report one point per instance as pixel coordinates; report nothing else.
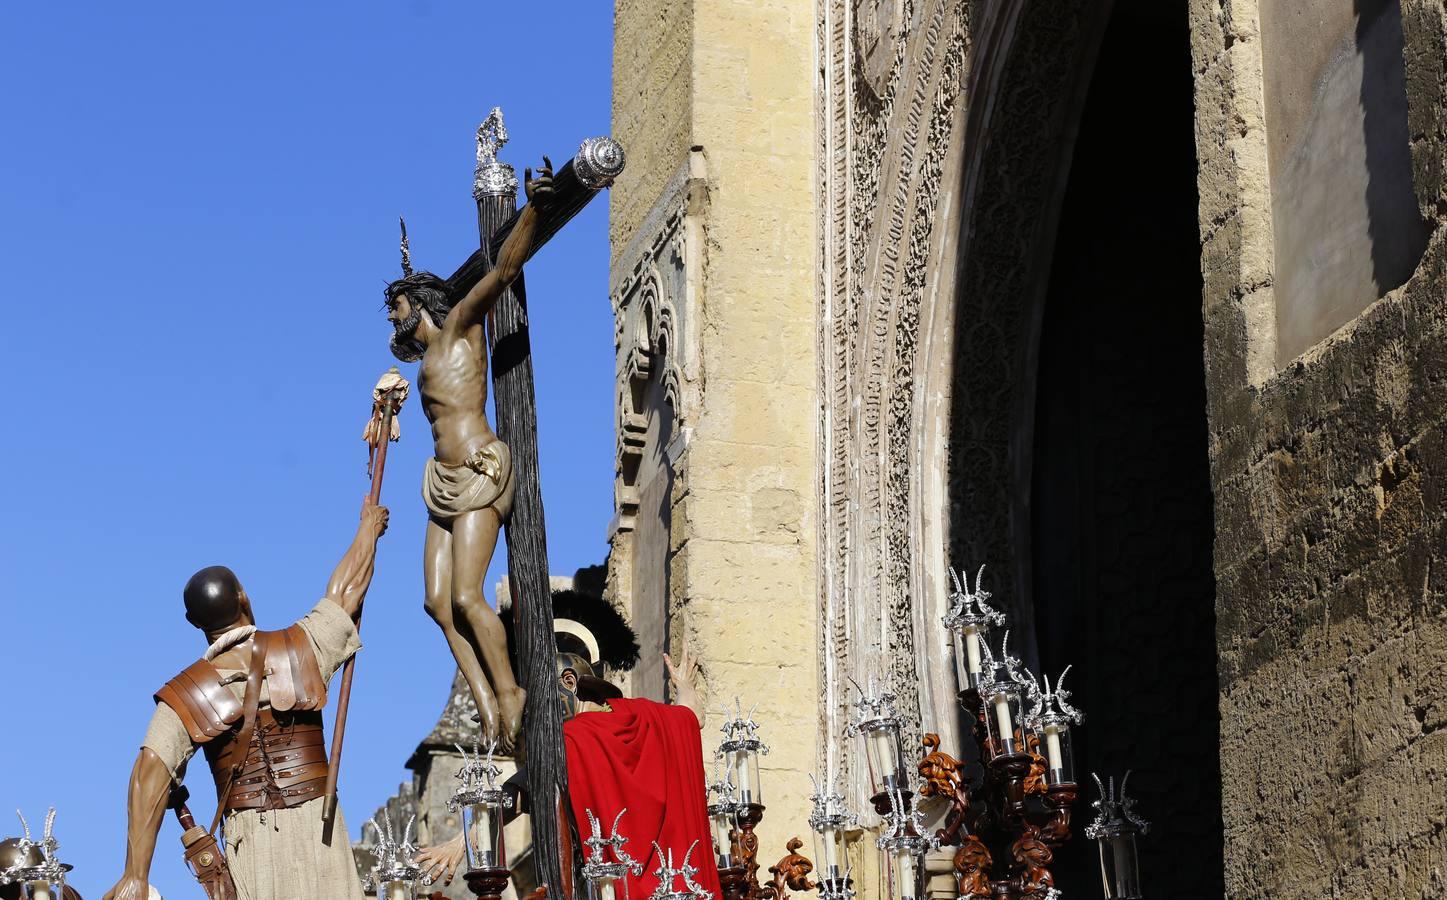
(260, 758)
(285, 763)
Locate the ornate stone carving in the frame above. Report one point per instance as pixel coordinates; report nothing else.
(878, 30)
(1013, 153)
(892, 86)
(647, 305)
(893, 75)
(658, 392)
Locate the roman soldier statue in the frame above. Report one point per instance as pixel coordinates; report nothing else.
(253, 705)
(637, 753)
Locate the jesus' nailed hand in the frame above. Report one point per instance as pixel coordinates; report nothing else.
(468, 484)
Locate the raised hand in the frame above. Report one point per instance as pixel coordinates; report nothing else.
(540, 189)
(681, 677)
(441, 861)
(375, 517)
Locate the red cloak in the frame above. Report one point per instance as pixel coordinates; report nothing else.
(646, 757)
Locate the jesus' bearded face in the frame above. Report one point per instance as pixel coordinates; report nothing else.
(405, 319)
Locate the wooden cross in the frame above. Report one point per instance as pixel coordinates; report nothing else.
(598, 162)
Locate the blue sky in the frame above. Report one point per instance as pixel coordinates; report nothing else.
(199, 213)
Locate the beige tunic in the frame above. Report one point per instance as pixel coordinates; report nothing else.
(277, 854)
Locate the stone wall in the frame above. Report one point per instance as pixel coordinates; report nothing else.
(1329, 472)
(713, 286)
(1345, 220)
(652, 103)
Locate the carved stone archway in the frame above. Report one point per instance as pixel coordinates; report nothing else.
(1032, 68)
(939, 181)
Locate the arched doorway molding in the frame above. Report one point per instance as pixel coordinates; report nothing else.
(940, 177)
(1031, 68)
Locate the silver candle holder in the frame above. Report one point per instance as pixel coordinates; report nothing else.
(483, 804)
(1114, 830)
(877, 720)
(603, 876)
(904, 844)
(1051, 719)
(969, 621)
(740, 752)
(831, 820)
(394, 876)
(723, 816)
(668, 876)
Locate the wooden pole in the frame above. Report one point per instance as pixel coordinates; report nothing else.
(387, 406)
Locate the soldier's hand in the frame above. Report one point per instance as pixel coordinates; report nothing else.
(539, 189)
(375, 518)
(681, 677)
(129, 888)
(441, 861)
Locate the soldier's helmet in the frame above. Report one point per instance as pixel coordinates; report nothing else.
(593, 641)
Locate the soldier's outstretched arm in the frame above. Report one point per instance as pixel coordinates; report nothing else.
(471, 309)
(353, 575)
(146, 807)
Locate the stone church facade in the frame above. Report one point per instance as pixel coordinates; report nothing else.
(1140, 304)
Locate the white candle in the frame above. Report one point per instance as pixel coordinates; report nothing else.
(40, 890)
(723, 839)
(1002, 718)
(831, 853)
(396, 890)
(972, 650)
(1052, 748)
(905, 877)
(883, 742)
(605, 891)
(742, 777)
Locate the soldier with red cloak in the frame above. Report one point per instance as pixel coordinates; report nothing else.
(637, 754)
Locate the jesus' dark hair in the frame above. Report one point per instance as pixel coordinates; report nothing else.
(425, 291)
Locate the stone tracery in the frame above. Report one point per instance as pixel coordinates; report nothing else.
(890, 194)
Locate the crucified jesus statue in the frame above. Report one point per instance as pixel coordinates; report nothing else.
(468, 484)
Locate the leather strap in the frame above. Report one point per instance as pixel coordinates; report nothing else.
(206, 862)
(281, 672)
(237, 757)
(311, 686)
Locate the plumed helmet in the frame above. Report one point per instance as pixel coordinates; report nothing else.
(593, 640)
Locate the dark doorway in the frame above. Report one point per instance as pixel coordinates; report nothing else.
(1121, 511)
